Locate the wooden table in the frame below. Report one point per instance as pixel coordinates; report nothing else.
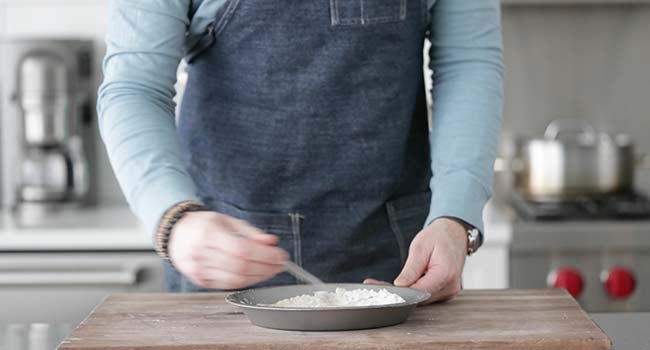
(505, 319)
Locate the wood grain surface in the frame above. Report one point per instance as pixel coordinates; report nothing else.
(491, 319)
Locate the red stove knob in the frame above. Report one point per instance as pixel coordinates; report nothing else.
(619, 282)
(567, 278)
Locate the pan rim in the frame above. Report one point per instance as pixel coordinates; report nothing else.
(230, 299)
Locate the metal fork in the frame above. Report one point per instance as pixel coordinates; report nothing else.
(292, 268)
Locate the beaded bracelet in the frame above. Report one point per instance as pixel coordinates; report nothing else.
(171, 217)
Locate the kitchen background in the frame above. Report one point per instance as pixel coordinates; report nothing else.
(584, 59)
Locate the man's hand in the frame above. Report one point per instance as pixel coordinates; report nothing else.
(204, 248)
(435, 261)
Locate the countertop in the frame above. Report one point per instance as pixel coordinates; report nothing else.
(103, 227)
(486, 319)
(628, 331)
(114, 227)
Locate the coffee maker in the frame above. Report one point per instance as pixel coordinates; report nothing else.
(47, 90)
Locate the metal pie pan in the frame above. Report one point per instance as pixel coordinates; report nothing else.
(254, 303)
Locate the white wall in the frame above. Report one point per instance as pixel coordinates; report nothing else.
(590, 62)
(60, 18)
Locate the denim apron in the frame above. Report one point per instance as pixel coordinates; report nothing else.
(308, 120)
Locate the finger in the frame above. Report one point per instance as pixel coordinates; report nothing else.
(443, 295)
(430, 284)
(438, 281)
(244, 248)
(415, 266)
(217, 259)
(219, 279)
(374, 281)
(243, 228)
(433, 281)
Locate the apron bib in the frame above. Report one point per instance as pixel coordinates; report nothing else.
(308, 120)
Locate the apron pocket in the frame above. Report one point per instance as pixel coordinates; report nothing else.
(407, 215)
(282, 225)
(363, 12)
(274, 223)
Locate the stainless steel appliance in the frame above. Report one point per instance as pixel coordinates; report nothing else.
(579, 223)
(574, 160)
(628, 205)
(47, 89)
(34, 336)
(598, 248)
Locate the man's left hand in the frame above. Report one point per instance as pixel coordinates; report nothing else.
(435, 261)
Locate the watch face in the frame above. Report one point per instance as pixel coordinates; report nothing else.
(474, 240)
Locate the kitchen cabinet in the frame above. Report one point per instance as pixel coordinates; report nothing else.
(628, 331)
(489, 268)
(58, 271)
(62, 287)
(35, 336)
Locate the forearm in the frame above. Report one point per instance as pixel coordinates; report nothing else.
(466, 58)
(136, 110)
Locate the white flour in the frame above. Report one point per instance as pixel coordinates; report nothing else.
(341, 297)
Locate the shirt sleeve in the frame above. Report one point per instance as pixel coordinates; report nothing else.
(467, 62)
(135, 104)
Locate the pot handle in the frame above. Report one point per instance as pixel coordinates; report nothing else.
(575, 126)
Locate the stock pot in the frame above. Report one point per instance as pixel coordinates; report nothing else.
(574, 160)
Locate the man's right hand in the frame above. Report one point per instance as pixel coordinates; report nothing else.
(218, 251)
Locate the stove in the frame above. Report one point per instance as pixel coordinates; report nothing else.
(598, 249)
(622, 206)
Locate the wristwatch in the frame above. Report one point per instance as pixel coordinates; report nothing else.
(474, 236)
(474, 240)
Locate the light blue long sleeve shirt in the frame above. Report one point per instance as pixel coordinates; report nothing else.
(147, 39)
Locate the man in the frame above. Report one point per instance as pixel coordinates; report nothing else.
(303, 135)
